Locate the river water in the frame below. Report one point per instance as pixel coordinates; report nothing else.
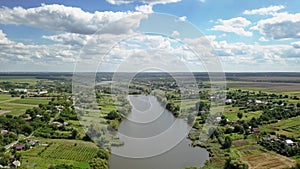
(149, 119)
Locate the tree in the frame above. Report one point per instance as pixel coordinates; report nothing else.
(235, 164)
(62, 166)
(74, 134)
(103, 154)
(227, 142)
(240, 115)
(98, 163)
(113, 115)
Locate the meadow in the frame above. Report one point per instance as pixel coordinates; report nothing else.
(72, 152)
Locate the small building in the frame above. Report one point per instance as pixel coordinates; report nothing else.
(16, 163)
(258, 102)
(43, 92)
(228, 101)
(19, 146)
(218, 119)
(255, 130)
(39, 116)
(289, 142)
(4, 132)
(21, 90)
(33, 142)
(58, 124)
(27, 118)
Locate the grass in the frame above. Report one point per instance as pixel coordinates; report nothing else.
(75, 152)
(231, 113)
(19, 79)
(257, 157)
(289, 127)
(32, 100)
(268, 160)
(17, 106)
(5, 97)
(14, 109)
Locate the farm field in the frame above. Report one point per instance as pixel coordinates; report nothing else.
(32, 100)
(268, 160)
(289, 127)
(17, 106)
(257, 157)
(75, 152)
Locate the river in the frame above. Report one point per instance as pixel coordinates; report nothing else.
(148, 119)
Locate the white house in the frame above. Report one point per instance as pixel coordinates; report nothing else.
(21, 90)
(289, 142)
(258, 101)
(43, 92)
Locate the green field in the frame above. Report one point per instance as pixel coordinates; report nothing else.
(19, 79)
(289, 127)
(75, 152)
(5, 97)
(13, 109)
(32, 100)
(231, 114)
(17, 106)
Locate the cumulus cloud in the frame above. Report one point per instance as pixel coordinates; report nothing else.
(175, 33)
(280, 26)
(69, 38)
(70, 19)
(144, 8)
(263, 39)
(256, 57)
(296, 44)
(153, 2)
(3, 39)
(271, 10)
(183, 18)
(234, 25)
(12, 52)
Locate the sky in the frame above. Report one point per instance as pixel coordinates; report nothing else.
(139, 35)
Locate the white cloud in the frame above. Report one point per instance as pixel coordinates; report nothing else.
(183, 18)
(13, 53)
(271, 10)
(3, 39)
(234, 25)
(69, 38)
(144, 8)
(280, 26)
(70, 19)
(263, 39)
(296, 44)
(175, 33)
(153, 2)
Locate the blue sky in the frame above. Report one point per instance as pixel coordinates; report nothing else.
(247, 36)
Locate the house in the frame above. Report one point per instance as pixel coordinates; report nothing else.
(43, 92)
(289, 142)
(58, 124)
(39, 116)
(4, 132)
(17, 163)
(218, 119)
(228, 101)
(27, 118)
(21, 90)
(258, 102)
(255, 130)
(19, 146)
(33, 142)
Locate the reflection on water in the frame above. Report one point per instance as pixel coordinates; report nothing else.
(149, 119)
